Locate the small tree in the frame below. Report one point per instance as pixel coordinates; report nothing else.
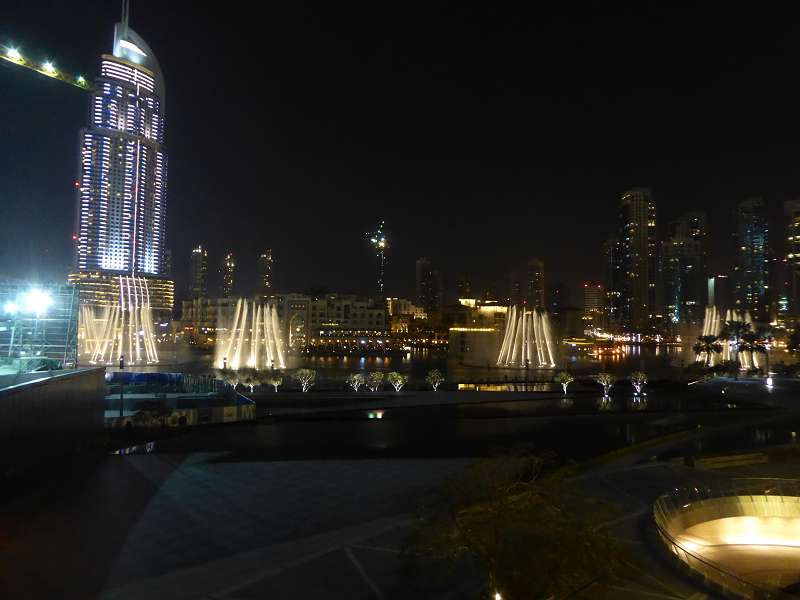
(435, 378)
(271, 378)
(306, 378)
(564, 379)
(397, 380)
(249, 377)
(639, 380)
(606, 380)
(375, 380)
(356, 380)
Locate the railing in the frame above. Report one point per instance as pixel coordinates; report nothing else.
(672, 506)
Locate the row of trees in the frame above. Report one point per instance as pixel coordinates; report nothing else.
(638, 379)
(307, 378)
(741, 335)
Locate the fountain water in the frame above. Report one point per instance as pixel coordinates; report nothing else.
(253, 337)
(713, 324)
(124, 328)
(528, 340)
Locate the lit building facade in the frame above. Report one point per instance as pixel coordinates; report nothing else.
(120, 258)
(228, 272)
(684, 271)
(638, 260)
(792, 211)
(198, 288)
(122, 187)
(751, 271)
(534, 284)
(264, 284)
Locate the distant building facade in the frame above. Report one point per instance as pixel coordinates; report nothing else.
(637, 248)
(684, 270)
(751, 270)
(228, 273)
(429, 288)
(264, 283)
(198, 267)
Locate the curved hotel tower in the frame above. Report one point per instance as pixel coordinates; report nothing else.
(121, 211)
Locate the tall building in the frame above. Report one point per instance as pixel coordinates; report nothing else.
(612, 271)
(594, 304)
(121, 271)
(264, 284)
(464, 287)
(123, 164)
(430, 291)
(792, 211)
(199, 273)
(534, 284)
(684, 269)
(751, 270)
(638, 259)
(228, 270)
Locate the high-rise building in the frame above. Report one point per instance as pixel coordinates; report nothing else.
(594, 304)
(228, 270)
(534, 284)
(612, 270)
(121, 266)
(430, 291)
(684, 271)
(638, 258)
(264, 284)
(751, 271)
(792, 211)
(123, 164)
(199, 273)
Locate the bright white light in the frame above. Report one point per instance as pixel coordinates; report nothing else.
(132, 47)
(48, 67)
(37, 301)
(80, 79)
(497, 596)
(13, 54)
(11, 308)
(769, 381)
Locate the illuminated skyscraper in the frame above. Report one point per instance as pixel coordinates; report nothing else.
(751, 272)
(683, 269)
(636, 287)
(264, 285)
(228, 270)
(123, 164)
(199, 274)
(121, 273)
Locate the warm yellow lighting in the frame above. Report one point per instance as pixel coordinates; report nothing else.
(475, 329)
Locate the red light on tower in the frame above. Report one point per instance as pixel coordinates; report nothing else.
(74, 237)
(77, 184)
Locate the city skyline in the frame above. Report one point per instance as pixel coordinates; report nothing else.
(199, 211)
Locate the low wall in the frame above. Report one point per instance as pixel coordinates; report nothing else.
(50, 414)
(676, 512)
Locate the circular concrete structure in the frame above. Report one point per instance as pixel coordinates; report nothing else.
(746, 543)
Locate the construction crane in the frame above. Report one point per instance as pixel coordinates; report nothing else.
(46, 68)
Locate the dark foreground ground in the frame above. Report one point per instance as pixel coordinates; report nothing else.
(273, 510)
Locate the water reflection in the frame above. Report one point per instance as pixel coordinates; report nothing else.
(506, 387)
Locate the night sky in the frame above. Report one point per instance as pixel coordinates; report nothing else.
(483, 137)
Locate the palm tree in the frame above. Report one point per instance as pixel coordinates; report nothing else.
(708, 344)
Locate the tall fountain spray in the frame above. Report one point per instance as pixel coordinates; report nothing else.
(714, 324)
(251, 337)
(124, 328)
(528, 340)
